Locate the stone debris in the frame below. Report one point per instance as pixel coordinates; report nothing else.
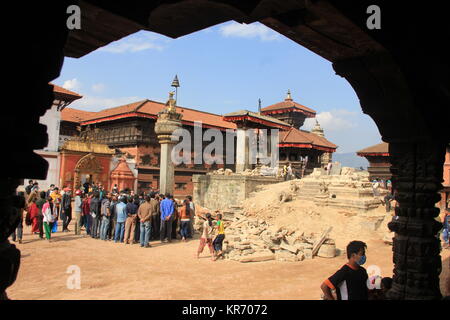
(259, 171)
(248, 239)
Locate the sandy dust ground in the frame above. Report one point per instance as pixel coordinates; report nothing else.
(169, 271)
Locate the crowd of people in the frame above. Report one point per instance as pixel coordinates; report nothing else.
(118, 216)
(124, 217)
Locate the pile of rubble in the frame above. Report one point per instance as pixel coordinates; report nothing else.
(259, 171)
(221, 171)
(349, 190)
(250, 239)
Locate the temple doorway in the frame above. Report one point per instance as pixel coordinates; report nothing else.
(88, 170)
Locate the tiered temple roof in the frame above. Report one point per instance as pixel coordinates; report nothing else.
(381, 149)
(288, 105)
(305, 139)
(259, 120)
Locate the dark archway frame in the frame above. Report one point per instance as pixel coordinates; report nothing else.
(400, 73)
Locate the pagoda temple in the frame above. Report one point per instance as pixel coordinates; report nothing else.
(378, 157)
(379, 167)
(305, 150)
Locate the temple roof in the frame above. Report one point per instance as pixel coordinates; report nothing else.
(256, 118)
(149, 109)
(381, 149)
(301, 138)
(64, 94)
(74, 115)
(288, 103)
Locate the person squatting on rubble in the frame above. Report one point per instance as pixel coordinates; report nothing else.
(349, 282)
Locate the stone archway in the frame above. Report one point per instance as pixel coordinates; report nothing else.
(88, 165)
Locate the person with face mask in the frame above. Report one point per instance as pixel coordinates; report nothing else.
(350, 282)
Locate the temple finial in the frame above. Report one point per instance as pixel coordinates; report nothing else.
(288, 96)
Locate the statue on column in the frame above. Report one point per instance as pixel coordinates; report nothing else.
(170, 104)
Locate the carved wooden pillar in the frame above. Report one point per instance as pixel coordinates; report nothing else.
(417, 170)
(44, 44)
(402, 99)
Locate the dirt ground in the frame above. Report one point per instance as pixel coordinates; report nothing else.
(170, 271)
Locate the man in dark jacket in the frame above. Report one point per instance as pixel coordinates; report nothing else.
(29, 187)
(130, 224)
(156, 217)
(112, 218)
(86, 186)
(66, 210)
(95, 214)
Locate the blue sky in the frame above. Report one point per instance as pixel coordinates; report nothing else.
(222, 69)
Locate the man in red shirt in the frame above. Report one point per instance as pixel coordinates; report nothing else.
(86, 209)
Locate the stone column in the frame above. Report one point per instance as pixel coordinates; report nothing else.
(166, 168)
(242, 150)
(416, 177)
(168, 121)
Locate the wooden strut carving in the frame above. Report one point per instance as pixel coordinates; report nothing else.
(416, 176)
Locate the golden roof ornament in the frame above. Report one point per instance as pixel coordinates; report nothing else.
(317, 130)
(288, 96)
(175, 82)
(170, 104)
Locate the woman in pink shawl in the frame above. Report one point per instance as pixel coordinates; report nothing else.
(49, 213)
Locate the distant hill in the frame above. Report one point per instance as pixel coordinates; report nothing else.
(351, 160)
